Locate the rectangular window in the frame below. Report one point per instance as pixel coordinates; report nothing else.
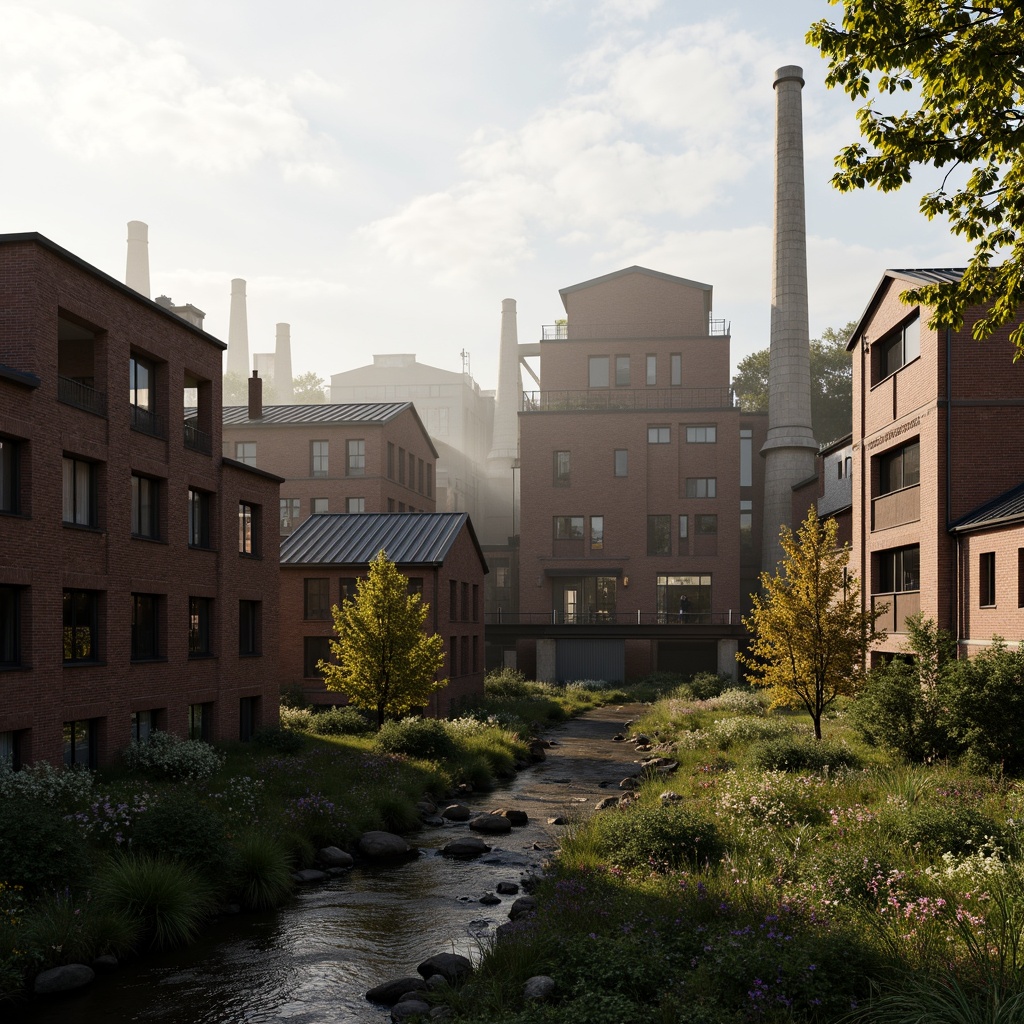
(145, 627)
(621, 462)
(987, 579)
(598, 371)
(81, 625)
(706, 526)
(476, 601)
(622, 371)
(897, 348)
(391, 504)
(318, 458)
(318, 506)
(597, 533)
(659, 535)
(200, 614)
(415, 585)
(200, 722)
(80, 742)
(701, 435)
(561, 469)
(568, 527)
(466, 611)
(676, 369)
(144, 724)
(899, 570)
(746, 458)
(248, 628)
(419, 476)
(652, 371)
(198, 518)
(9, 451)
(314, 650)
(659, 435)
(453, 655)
(348, 588)
(746, 527)
(289, 514)
(900, 468)
(701, 486)
(464, 653)
(401, 465)
(355, 504)
(145, 507)
(142, 396)
(476, 652)
(245, 451)
(685, 597)
(412, 470)
(453, 600)
(317, 598)
(391, 460)
(246, 528)
(430, 480)
(10, 626)
(684, 527)
(356, 464)
(79, 492)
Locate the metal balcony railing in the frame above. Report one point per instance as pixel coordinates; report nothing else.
(629, 399)
(81, 396)
(196, 439)
(730, 617)
(147, 422)
(560, 332)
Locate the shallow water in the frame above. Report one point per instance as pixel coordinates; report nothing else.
(312, 961)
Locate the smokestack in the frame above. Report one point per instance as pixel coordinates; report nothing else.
(790, 448)
(238, 331)
(136, 272)
(283, 387)
(255, 396)
(505, 440)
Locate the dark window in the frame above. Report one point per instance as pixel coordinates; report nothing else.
(598, 372)
(676, 369)
(348, 588)
(621, 371)
(145, 626)
(897, 348)
(621, 462)
(746, 527)
(81, 625)
(142, 396)
(1020, 577)
(987, 579)
(412, 470)
(248, 717)
(899, 570)
(356, 464)
(391, 460)
(706, 525)
(10, 626)
(746, 457)
(568, 527)
(466, 611)
(317, 599)
(419, 475)
(199, 621)
(145, 507)
(9, 451)
(80, 742)
(79, 492)
(198, 518)
(314, 650)
(248, 627)
(401, 465)
(415, 585)
(453, 600)
(247, 528)
(701, 486)
(701, 435)
(659, 535)
(453, 656)
(899, 468)
(430, 480)
(561, 469)
(318, 458)
(144, 724)
(476, 603)
(200, 721)
(652, 371)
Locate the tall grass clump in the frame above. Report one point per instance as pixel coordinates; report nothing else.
(63, 928)
(656, 838)
(259, 873)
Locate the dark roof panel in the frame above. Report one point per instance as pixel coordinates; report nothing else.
(1006, 508)
(341, 412)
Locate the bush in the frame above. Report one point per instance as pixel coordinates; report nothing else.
(40, 849)
(165, 756)
(181, 828)
(64, 930)
(790, 754)
(278, 740)
(64, 788)
(260, 876)
(938, 829)
(506, 682)
(705, 685)
(656, 837)
(425, 738)
(340, 721)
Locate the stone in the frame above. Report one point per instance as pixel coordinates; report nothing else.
(426, 807)
(537, 752)
(640, 739)
(618, 738)
(670, 796)
(464, 788)
(390, 992)
(457, 812)
(65, 978)
(309, 876)
(409, 1008)
(604, 804)
(521, 907)
(489, 899)
(432, 821)
(539, 988)
(453, 967)
(468, 846)
(559, 819)
(491, 824)
(507, 888)
(514, 815)
(332, 857)
(383, 846)
(105, 964)
(436, 981)
(441, 1012)
(628, 783)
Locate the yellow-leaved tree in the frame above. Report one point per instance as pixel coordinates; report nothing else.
(809, 635)
(383, 660)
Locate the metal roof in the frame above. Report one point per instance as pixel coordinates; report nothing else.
(408, 538)
(633, 270)
(340, 412)
(1006, 508)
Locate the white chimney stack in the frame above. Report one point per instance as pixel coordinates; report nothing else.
(284, 391)
(238, 331)
(136, 274)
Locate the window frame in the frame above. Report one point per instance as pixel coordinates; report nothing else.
(564, 528)
(10, 626)
(597, 533)
(659, 433)
(10, 475)
(83, 473)
(242, 453)
(200, 627)
(319, 459)
(316, 598)
(90, 612)
(248, 529)
(146, 635)
(659, 535)
(598, 370)
(620, 461)
(250, 633)
(295, 505)
(987, 579)
(651, 364)
(140, 528)
(895, 471)
(706, 524)
(703, 433)
(702, 487)
(561, 468)
(355, 506)
(200, 514)
(623, 377)
(355, 457)
(896, 349)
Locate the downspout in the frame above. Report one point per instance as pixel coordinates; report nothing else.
(955, 597)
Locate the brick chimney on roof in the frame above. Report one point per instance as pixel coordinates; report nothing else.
(255, 396)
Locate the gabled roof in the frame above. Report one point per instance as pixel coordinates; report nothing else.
(1005, 509)
(340, 412)
(632, 270)
(345, 538)
(912, 278)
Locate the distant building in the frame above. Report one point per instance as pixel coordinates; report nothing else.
(138, 568)
(440, 555)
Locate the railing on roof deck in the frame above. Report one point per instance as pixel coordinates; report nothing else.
(81, 396)
(147, 422)
(629, 399)
(196, 439)
(717, 327)
(554, 332)
(632, 618)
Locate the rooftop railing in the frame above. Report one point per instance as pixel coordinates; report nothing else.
(629, 399)
(560, 332)
(632, 618)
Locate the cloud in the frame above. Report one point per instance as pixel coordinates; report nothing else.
(98, 96)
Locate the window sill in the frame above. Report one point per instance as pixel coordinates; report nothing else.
(204, 656)
(84, 664)
(250, 654)
(82, 527)
(201, 547)
(159, 659)
(250, 556)
(149, 540)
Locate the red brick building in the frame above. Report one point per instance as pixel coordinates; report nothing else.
(937, 460)
(640, 494)
(437, 551)
(138, 569)
(339, 457)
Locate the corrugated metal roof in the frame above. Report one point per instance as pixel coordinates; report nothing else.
(409, 538)
(340, 412)
(1007, 508)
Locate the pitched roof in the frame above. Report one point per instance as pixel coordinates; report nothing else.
(633, 270)
(1005, 509)
(409, 538)
(329, 412)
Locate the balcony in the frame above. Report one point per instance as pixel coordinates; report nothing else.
(629, 399)
(81, 395)
(147, 422)
(611, 618)
(560, 332)
(196, 439)
(901, 606)
(896, 508)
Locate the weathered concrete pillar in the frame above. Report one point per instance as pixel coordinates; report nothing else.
(547, 662)
(727, 664)
(284, 392)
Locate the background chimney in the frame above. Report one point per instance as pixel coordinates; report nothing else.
(238, 331)
(136, 273)
(284, 392)
(255, 396)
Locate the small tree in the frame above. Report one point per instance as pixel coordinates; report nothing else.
(810, 637)
(383, 659)
(308, 389)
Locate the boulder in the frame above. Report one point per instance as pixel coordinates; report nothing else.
(606, 802)
(491, 824)
(426, 807)
(383, 846)
(332, 857)
(514, 815)
(628, 783)
(453, 967)
(507, 888)
(469, 846)
(65, 978)
(489, 899)
(457, 812)
(309, 876)
(521, 907)
(105, 964)
(539, 988)
(537, 751)
(641, 740)
(559, 819)
(409, 1008)
(390, 992)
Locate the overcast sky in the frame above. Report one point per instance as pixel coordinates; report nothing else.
(384, 173)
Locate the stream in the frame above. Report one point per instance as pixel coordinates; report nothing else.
(312, 961)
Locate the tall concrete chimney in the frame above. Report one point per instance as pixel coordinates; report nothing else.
(238, 331)
(505, 440)
(284, 392)
(789, 450)
(136, 272)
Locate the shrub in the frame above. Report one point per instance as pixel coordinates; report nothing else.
(181, 828)
(281, 741)
(728, 731)
(790, 754)
(742, 699)
(940, 829)
(63, 929)
(167, 898)
(656, 837)
(426, 738)
(40, 848)
(165, 756)
(705, 685)
(340, 721)
(293, 696)
(315, 818)
(506, 682)
(296, 719)
(63, 788)
(259, 875)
